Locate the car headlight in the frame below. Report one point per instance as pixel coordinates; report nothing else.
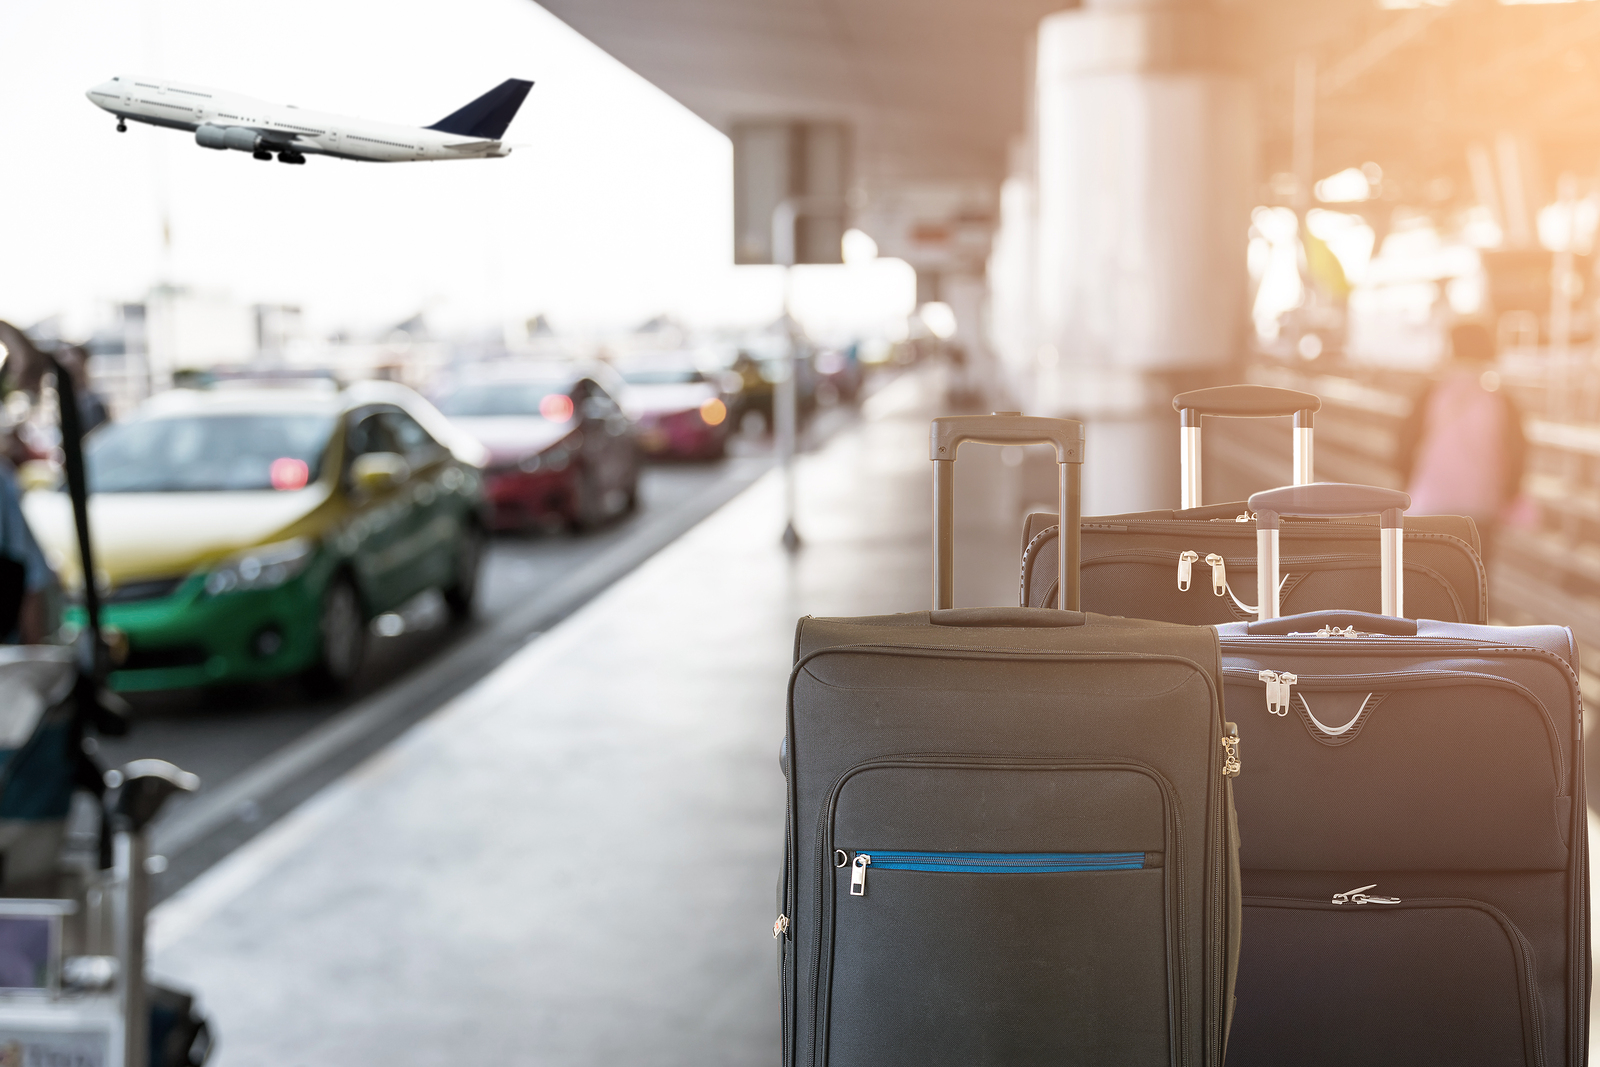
(262, 567)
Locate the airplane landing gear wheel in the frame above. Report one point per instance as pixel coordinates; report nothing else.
(291, 157)
(263, 154)
(122, 126)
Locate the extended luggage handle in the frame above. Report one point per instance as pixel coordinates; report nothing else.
(1241, 402)
(1329, 500)
(950, 432)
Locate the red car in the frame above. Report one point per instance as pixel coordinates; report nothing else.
(561, 451)
(677, 410)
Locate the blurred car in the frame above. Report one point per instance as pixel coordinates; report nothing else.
(246, 534)
(560, 448)
(678, 410)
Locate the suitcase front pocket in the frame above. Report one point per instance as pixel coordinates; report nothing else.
(942, 953)
(1388, 983)
(1400, 770)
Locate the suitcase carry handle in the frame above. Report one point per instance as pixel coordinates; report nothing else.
(1363, 622)
(1327, 500)
(950, 432)
(1241, 402)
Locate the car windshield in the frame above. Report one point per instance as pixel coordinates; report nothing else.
(208, 452)
(661, 375)
(502, 398)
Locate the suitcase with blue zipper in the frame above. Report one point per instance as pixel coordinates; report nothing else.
(1010, 836)
(1414, 827)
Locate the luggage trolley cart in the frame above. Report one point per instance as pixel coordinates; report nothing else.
(72, 922)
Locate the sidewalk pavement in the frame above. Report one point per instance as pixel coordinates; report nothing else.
(575, 862)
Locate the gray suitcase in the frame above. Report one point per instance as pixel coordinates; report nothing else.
(1414, 827)
(1009, 835)
(1197, 565)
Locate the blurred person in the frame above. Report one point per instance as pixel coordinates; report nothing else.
(1462, 452)
(24, 574)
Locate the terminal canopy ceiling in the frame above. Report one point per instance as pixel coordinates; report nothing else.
(937, 89)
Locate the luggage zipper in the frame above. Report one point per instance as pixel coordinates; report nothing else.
(994, 863)
(1186, 562)
(1279, 684)
(1219, 577)
(1361, 896)
(1222, 803)
(1219, 571)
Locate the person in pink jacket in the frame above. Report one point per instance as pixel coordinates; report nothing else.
(1462, 450)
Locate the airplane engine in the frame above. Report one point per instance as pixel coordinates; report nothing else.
(221, 137)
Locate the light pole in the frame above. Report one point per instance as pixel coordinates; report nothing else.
(786, 399)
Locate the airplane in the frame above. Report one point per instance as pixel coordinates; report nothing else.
(224, 120)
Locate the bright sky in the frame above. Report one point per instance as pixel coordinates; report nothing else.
(617, 208)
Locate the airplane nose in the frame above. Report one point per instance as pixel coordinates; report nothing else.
(101, 95)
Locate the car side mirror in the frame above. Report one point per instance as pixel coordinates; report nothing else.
(377, 472)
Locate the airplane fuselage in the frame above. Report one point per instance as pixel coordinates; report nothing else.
(226, 120)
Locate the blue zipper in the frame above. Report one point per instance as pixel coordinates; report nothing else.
(990, 863)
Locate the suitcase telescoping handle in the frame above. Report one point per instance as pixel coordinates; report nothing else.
(1241, 402)
(950, 432)
(1330, 500)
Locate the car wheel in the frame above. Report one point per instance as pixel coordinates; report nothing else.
(342, 637)
(586, 505)
(463, 590)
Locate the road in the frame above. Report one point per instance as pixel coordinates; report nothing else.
(261, 750)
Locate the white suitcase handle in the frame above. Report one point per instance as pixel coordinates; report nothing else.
(1330, 500)
(950, 432)
(1241, 402)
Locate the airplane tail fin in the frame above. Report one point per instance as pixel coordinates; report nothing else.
(489, 115)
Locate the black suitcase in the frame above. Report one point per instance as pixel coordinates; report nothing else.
(1414, 829)
(1190, 565)
(1009, 837)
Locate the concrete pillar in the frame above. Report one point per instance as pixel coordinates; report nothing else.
(1145, 173)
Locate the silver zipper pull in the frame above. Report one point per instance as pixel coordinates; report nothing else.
(858, 875)
(780, 927)
(1186, 561)
(1219, 575)
(1278, 687)
(1230, 748)
(1334, 631)
(1360, 896)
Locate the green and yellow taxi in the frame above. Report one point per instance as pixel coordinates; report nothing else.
(246, 532)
